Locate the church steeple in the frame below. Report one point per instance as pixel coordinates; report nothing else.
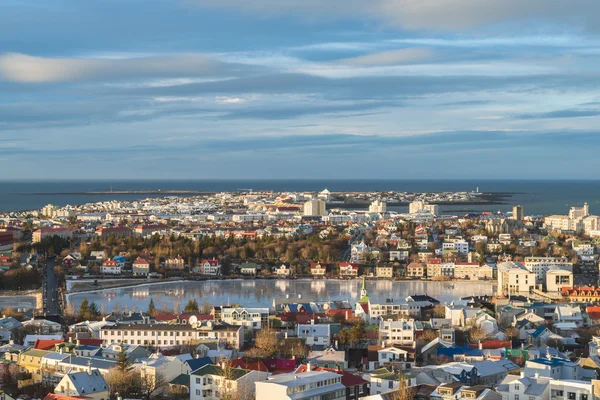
(364, 298)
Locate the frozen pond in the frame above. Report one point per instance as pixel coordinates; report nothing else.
(260, 293)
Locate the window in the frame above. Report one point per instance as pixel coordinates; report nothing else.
(571, 395)
(391, 384)
(197, 392)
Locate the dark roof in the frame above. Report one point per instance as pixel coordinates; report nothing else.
(183, 380)
(167, 327)
(210, 369)
(197, 363)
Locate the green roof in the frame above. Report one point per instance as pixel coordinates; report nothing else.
(210, 369)
(183, 380)
(35, 353)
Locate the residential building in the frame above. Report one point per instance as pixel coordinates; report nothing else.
(176, 263)
(537, 265)
(249, 318)
(213, 382)
(89, 384)
(317, 270)
(401, 332)
(110, 267)
(145, 230)
(210, 267)
(420, 206)
(141, 267)
(169, 335)
(43, 233)
(315, 334)
(284, 271)
(314, 208)
(302, 386)
(517, 213)
(30, 365)
(415, 270)
(514, 278)
(384, 271)
(385, 380)
(348, 270)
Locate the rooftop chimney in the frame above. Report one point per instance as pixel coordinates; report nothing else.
(308, 367)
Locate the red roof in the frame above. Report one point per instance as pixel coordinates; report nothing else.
(46, 344)
(49, 230)
(346, 264)
(140, 261)
(247, 364)
(213, 262)
(434, 261)
(109, 263)
(52, 396)
(90, 342)
(593, 312)
(492, 344)
(414, 265)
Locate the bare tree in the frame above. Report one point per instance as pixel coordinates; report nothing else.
(439, 311)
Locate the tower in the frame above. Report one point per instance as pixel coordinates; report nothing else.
(518, 213)
(364, 297)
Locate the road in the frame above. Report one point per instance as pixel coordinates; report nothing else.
(50, 293)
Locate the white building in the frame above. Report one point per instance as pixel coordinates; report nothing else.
(400, 332)
(89, 384)
(250, 318)
(305, 385)
(579, 218)
(514, 278)
(214, 382)
(378, 206)
(419, 206)
(537, 265)
(315, 208)
(315, 334)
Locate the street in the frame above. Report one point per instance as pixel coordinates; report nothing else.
(50, 291)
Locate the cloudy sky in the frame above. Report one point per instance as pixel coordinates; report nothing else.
(299, 89)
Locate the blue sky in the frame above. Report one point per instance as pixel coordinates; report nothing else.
(299, 89)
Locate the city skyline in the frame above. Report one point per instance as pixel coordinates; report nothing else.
(229, 89)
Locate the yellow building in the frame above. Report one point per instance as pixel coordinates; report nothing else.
(384, 271)
(30, 367)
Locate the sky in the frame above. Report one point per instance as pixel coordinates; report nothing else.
(299, 89)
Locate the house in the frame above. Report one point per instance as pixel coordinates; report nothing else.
(110, 267)
(315, 334)
(89, 384)
(250, 318)
(384, 271)
(317, 270)
(158, 369)
(401, 332)
(328, 358)
(384, 380)
(305, 385)
(348, 270)
(458, 390)
(248, 269)
(176, 263)
(283, 271)
(141, 267)
(415, 270)
(214, 382)
(356, 387)
(209, 267)
(99, 255)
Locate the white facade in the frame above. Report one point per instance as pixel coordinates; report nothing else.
(315, 208)
(378, 206)
(250, 318)
(514, 278)
(538, 265)
(419, 206)
(305, 385)
(319, 334)
(400, 332)
(212, 382)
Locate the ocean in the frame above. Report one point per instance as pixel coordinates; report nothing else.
(539, 197)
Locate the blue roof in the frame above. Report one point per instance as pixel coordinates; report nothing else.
(553, 361)
(452, 351)
(197, 363)
(539, 331)
(88, 347)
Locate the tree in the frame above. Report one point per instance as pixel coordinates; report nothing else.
(439, 311)
(357, 332)
(151, 383)
(266, 343)
(151, 308)
(84, 309)
(404, 392)
(476, 333)
(191, 307)
(123, 363)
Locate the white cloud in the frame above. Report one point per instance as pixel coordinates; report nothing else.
(18, 67)
(391, 57)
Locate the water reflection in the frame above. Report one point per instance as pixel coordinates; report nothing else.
(260, 293)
